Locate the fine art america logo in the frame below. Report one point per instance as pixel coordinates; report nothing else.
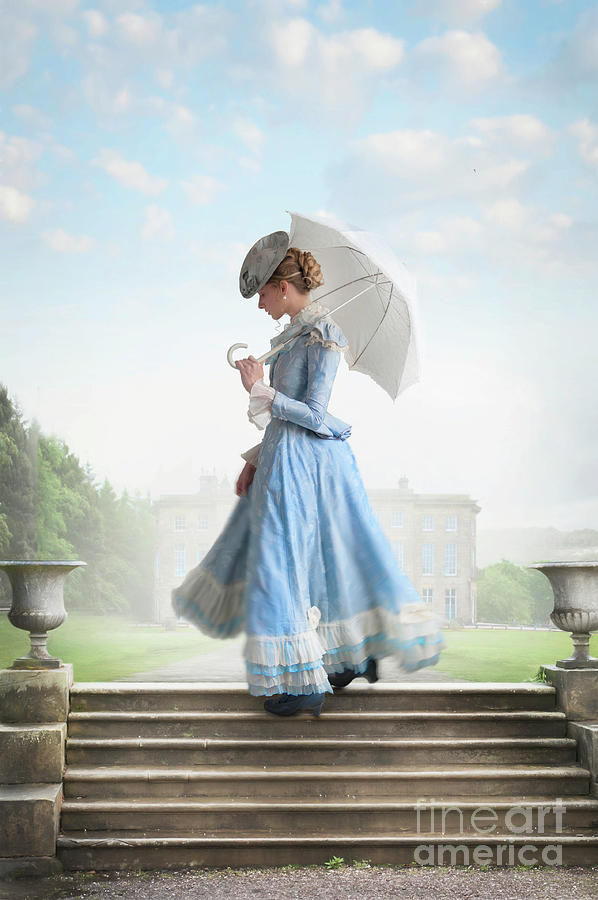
(502, 827)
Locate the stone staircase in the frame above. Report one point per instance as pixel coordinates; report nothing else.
(178, 775)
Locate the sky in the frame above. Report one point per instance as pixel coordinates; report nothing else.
(145, 146)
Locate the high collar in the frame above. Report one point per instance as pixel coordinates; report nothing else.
(307, 315)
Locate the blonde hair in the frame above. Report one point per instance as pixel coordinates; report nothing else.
(300, 269)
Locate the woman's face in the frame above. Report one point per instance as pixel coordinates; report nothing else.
(270, 299)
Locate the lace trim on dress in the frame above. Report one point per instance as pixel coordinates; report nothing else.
(316, 337)
(286, 664)
(413, 635)
(215, 609)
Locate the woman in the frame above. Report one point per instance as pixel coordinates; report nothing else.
(302, 564)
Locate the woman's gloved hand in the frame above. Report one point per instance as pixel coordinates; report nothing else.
(245, 479)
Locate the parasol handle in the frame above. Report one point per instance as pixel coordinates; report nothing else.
(231, 350)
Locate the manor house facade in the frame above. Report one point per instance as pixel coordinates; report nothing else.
(433, 537)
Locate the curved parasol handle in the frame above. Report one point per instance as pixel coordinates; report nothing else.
(230, 352)
(262, 358)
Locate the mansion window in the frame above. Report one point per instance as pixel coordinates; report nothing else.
(428, 595)
(179, 523)
(450, 559)
(202, 522)
(396, 518)
(450, 604)
(428, 523)
(398, 550)
(451, 523)
(180, 560)
(427, 559)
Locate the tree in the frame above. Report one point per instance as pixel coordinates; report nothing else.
(504, 595)
(18, 463)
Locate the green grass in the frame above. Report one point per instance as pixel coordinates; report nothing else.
(107, 648)
(502, 655)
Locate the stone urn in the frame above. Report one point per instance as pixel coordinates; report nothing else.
(37, 605)
(575, 589)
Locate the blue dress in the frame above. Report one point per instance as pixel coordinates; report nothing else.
(302, 564)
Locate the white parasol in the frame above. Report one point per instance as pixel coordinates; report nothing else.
(368, 293)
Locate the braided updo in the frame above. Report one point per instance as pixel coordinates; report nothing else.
(300, 269)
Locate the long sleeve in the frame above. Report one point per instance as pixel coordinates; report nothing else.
(260, 404)
(322, 366)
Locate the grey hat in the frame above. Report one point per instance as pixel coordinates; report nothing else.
(262, 261)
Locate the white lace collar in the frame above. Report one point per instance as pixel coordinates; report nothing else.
(307, 315)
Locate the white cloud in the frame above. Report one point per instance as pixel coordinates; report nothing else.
(176, 40)
(527, 225)
(296, 41)
(96, 22)
(587, 134)
(157, 224)
(250, 133)
(15, 206)
(202, 189)
(457, 11)
(454, 234)
(579, 58)
(330, 12)
(140, 30)
(520, 128)
(430, 163)
(468, 59)
(508, 213)
(334, 71)
(17, 36)
(63, 242)
(130, 174)
(32, 116)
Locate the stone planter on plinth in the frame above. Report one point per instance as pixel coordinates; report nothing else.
(575, 679)
(34, 703)
(37, 605)
(575, 589)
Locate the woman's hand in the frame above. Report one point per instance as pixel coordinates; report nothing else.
(245, 479)
(251, 371)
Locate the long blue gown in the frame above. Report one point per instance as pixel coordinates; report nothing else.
(302, 564)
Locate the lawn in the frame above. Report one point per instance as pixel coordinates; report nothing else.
(106, 648)
(502, 655)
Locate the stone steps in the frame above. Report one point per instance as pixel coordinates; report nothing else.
(179, 775)
(218, 696)
(323, 782)
(256, 724)
(370, 817)
(318, 751)
(126, 851)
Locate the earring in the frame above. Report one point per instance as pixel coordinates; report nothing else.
(284, 297)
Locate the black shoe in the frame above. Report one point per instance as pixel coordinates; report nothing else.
(342, 679)
(289, 704)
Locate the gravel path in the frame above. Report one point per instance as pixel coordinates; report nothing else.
(228, 664)
(341, 884)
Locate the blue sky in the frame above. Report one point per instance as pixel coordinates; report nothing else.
(144, 146)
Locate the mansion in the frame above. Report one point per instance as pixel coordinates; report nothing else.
(433, 537)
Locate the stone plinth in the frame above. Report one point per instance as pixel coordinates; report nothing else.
(586, 735)
(29, 819)
(35, 695)
(31, 754)
(34, 705)
(576, 691)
